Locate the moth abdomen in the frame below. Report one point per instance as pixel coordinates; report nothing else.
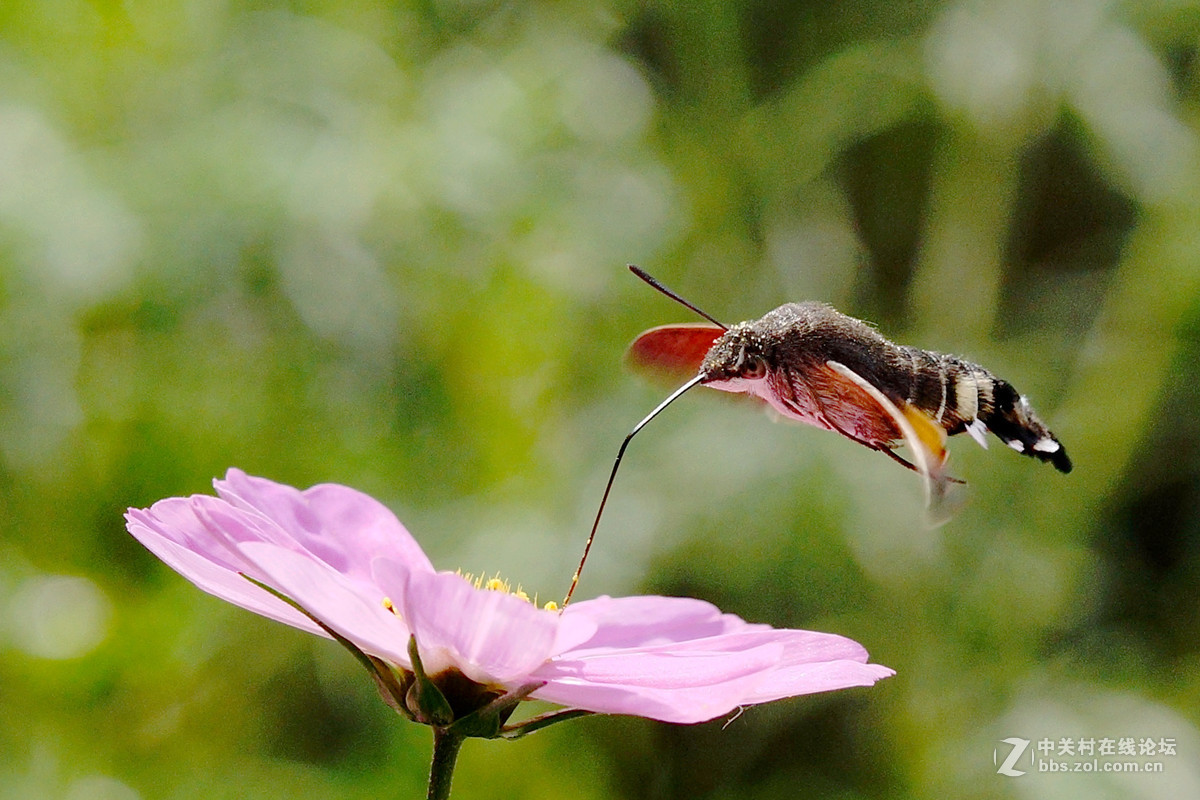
(931, 381)
(962, 396)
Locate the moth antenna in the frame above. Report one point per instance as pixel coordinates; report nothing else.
(612, 475)
(641, 273)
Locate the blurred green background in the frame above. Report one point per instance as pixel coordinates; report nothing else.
(383, 244)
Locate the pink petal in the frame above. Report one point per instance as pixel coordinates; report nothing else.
(175, 520)
(822, 677)
(341, 526)
(235, 526)
(666, 687)
(573, 631)
(806, 647)
(670, 667)
(171, 531)
(208, 540)
(694, 663)
(492, 637)
(624, 622)
(352, 608)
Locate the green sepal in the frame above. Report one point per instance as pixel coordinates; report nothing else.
(392, 686)
(488, 721)
(424, 698)
(535, 724)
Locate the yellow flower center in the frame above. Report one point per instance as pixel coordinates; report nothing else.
(493, 584)
(498, 584)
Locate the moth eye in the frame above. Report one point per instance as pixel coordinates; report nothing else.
(753, 367)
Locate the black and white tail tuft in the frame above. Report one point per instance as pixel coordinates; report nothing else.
(1012, 419)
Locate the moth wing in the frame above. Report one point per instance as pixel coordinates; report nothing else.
(673, 351)
(925, 439)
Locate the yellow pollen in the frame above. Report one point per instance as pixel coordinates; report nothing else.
(497, 584)
(387, 603)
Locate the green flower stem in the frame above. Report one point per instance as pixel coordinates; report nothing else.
(445, 753)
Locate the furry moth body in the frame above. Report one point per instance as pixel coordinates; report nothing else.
(786, 358)
(813, 364)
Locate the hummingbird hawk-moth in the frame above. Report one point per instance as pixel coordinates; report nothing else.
(813, 364)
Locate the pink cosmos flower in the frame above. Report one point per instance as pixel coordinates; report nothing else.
(353, 572)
